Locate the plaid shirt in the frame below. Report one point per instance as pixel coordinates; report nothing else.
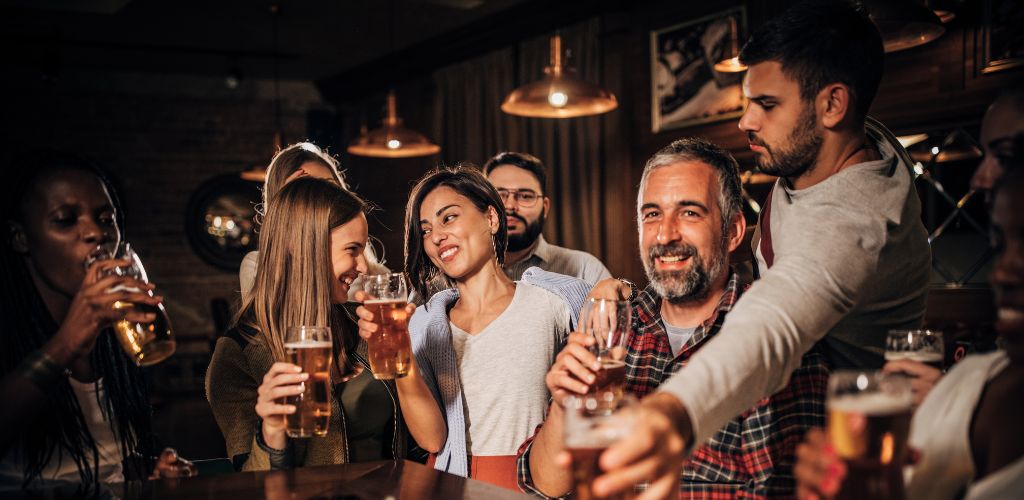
(753, 455)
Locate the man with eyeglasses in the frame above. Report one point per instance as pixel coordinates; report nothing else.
(519, 179)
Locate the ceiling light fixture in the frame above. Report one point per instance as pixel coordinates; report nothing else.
(392, 139)
(560, 94)
(904, 23)
(732, 64)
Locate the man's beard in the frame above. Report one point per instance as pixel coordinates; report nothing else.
(518, 242)
(804, 144)
(687, 285)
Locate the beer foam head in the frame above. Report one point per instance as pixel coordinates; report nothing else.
(919, 356)
(308, 344)
(872, 403)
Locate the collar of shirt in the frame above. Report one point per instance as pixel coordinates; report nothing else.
(542, 251)
(649, 359)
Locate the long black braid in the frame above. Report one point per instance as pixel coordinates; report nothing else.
(60, 428)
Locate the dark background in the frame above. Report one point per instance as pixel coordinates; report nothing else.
(140, 87)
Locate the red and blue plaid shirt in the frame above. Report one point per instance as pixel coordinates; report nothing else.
(753, 455)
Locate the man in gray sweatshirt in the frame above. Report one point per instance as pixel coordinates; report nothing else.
(842, 255)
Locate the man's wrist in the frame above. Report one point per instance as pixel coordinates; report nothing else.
(670, 406)
(633, 289)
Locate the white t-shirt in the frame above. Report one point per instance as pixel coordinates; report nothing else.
(502, 369)
(941, 430)
(63, 468)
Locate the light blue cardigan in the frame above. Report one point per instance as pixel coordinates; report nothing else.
(432, 345)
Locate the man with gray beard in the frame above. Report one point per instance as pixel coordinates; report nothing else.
(689, 218)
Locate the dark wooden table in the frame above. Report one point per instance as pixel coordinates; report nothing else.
(402, 480)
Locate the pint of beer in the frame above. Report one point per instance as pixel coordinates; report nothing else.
(868, 425)
(310, 348)
(924, 346)
(608, 322)
(389, 348)
(145, 343)
(589, 430)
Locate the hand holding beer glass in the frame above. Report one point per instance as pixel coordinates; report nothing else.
(294, 399)
(918, 354)
(608, 323)
(389, 348)
(868, 425)
(146, 343)
(589, 429)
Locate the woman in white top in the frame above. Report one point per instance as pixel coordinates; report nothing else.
(968, 429)
(75, 408)
(302, 159)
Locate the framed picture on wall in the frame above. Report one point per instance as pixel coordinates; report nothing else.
(685, 88)
(1003, 38)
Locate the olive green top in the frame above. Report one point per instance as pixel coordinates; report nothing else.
(373, 431)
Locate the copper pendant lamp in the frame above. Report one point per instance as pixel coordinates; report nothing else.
(732, 64)
(560, 94)
(904, 23)
(392, 139)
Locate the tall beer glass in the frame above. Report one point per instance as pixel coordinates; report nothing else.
(310, 348)
(389, 349)
(589, 430)
(145, 343)
(924, 346)
(868, 424)
(608, 322)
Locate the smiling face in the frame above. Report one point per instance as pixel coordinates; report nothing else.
(66, 214)
(347, 262)
(781, 126)
(1007, 276)
(457, 236)
(525, 223)
(681, 241)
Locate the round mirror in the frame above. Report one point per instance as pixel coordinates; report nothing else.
(220, 220)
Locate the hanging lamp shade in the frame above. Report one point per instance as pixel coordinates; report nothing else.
(732, 64)
(904, 23)
(392, 139)
(560, 94)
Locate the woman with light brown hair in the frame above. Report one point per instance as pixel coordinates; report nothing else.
(311, 250)
(302, 159)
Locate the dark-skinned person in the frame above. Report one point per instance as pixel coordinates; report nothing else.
(966, 434)
(76, 408)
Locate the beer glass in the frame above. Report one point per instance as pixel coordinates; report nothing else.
(868, 424)
(589, 430)
(389, 349)
(145, 343)
(310, 348)
(608, 322)
(924, 346)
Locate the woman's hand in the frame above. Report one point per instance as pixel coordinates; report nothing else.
(92, 310)
(283, 379)
(610, 289)
(368, 322)
(818, 471)
(170, 465)
(922, 377)
(574, 369)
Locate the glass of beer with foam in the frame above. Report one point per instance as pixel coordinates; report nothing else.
(924, 346)
(589, 429)
(608, 322)
(310, 348)
(868, 424)
(389, 349)
(145, 343)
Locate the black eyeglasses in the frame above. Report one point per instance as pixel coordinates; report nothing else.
(524, 197)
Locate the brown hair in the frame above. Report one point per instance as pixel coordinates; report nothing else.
(467, 181)
(294, 275)
(288, 160)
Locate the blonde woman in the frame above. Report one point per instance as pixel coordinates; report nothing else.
(302, 159)
(311, 250)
